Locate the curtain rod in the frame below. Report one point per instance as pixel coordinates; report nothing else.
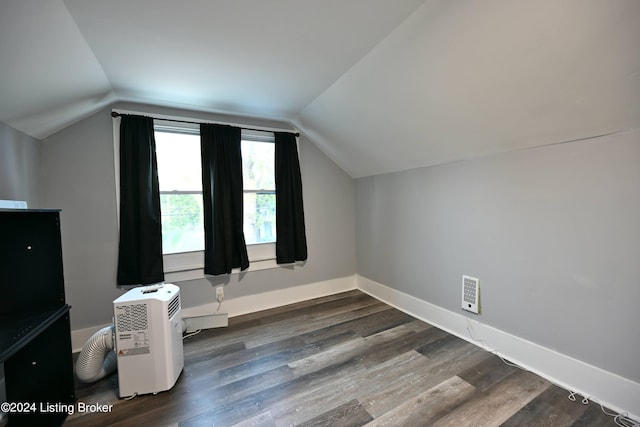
(297, 134)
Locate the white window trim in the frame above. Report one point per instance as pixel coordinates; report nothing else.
(190, 265)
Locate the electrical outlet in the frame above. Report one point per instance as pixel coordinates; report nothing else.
(470, 294)
(219, 293)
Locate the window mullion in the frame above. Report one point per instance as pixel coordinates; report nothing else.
(178, 192)
(260, 191)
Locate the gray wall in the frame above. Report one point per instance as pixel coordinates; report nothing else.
(553, 234)
(329, 203)
(78, 177)
(19, 167)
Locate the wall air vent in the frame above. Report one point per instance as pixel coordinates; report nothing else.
(471, 294)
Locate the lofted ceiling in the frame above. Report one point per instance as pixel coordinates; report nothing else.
(378, 85)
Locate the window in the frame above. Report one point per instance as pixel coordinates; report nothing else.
(259, 189)
(179, 168)
(179, 173)
(180, 180)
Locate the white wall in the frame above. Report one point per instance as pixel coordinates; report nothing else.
(553, 233)
(78, 177)
(19, 166)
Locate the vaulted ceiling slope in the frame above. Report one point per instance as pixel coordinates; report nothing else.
(266, 58)
(462, 79)
(379, 85)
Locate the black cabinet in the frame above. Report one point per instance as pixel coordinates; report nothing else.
(35, 337)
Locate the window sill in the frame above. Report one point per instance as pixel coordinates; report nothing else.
(197, 272)
(190, 265)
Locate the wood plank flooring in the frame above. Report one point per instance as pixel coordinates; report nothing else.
(342, 360)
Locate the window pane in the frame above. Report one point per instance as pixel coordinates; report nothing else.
(179, 173)
(178, 161)
(259, 217)
(257, 165)
(182, 223)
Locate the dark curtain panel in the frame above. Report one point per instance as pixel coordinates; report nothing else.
(140, 249)
(291, 241)
(224, 244)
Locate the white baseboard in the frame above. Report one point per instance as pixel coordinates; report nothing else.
(266, 300)
(600, 386)
(247, 304)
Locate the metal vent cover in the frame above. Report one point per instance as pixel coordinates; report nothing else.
(470, 293)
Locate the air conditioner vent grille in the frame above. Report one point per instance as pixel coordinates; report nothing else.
(132, 317)
(174, 306)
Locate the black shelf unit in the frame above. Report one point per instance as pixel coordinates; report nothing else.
(35, 335)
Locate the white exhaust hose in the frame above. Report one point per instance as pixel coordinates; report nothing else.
(97, 358)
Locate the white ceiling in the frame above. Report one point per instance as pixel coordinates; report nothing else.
(378, 85)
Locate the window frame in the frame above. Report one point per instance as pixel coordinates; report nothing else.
(183, 266)
(267, 138)
(184, 129)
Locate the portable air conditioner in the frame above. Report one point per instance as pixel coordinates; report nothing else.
(148, 330)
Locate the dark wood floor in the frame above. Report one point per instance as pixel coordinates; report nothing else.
(342, 360)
